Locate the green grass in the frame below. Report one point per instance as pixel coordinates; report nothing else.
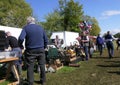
(96, 71)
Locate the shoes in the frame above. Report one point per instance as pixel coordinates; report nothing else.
(110, 57)
(30, 83)
(42, 83)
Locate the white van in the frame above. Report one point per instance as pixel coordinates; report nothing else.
(67, 37)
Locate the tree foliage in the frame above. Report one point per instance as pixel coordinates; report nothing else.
(66, 17)
(14, 12)
(53, 22)
(117, 35)
(72, 13)
(95, 30)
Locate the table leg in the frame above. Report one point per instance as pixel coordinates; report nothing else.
(16, 74)
(10, 66)
(8, 69)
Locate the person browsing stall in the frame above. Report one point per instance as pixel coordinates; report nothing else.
(35, 43)
(85, 44)
(13, 43)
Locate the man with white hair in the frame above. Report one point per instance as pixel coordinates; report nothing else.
(30, 20)
(35, 42)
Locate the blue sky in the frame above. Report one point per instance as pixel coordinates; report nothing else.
(107, 12)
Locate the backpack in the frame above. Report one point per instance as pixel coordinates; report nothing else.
(100, 40)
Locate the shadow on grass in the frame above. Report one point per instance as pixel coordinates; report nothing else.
(116, 57)
(113, 65)
(100, 57)
(23, 82)
(113, 61)
(37, 82)
(114, 72)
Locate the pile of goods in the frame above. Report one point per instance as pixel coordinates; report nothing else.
(71, 53)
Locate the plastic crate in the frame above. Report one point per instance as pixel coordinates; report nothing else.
(8, 54)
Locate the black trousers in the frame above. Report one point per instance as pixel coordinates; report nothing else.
(31, 56)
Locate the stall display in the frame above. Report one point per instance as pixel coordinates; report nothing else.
(54, 59)
(10, 62)
(70, 55)
(7, 57)
(8, 54)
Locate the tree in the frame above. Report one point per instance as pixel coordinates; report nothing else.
(14, 12)
(53, 21)
(95, 30)
(71, 12)
(67, 17)
(117, 35)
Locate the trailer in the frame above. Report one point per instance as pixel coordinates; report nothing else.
(14, 31)
(67, 37)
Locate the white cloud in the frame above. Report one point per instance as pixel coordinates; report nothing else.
(103, 17)
(114, 31)
(111, 13)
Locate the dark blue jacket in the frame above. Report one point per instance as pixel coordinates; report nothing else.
(99, 40)
(35, 37)
(108, 36)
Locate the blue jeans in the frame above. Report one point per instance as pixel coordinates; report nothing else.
(100, 48)
(86, 52)
(110, 48)
(18, 63)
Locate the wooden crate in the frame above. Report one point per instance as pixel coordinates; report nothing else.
(14, 83)
(70, 57)
(57, 67)
(56, 64)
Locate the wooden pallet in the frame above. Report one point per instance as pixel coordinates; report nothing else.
(14, 83)
(70, 58)
(55, 65)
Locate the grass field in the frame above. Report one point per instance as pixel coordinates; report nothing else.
(99, 70)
